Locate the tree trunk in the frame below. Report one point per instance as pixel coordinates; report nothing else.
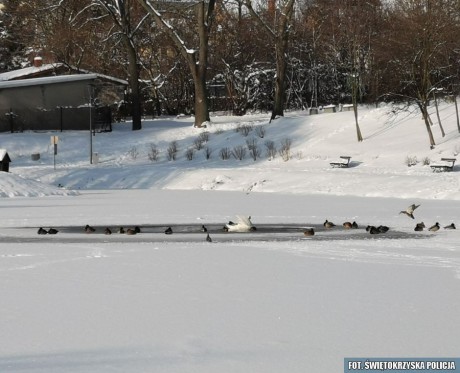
(437, 114)
(424, 109)
(354, 93)
(201, 98)
(358, 130)
(456, 112)
(278, 105)
(199, 76)
(133, 77)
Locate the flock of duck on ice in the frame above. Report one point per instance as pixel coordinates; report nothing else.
(383, 229)
(244, 224)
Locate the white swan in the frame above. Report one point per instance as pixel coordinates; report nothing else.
(242, 224)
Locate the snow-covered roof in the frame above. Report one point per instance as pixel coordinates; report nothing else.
(3, 152)
(28, 71)
(57, 79)
(23, 74)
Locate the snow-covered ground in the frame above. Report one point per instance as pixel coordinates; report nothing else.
(75, 302)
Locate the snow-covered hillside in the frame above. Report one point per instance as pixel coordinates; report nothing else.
(379, 165)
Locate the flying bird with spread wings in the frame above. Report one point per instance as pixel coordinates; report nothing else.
(410, 211)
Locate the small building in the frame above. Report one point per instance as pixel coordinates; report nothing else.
(36, 99)
(4, 161)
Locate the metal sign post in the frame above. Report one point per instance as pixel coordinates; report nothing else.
(90, 133)
(54, 142)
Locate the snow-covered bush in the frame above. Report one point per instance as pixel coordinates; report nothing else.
(260, 131)
(239, 152)
(285, 150)
(172, 151)
(244, 129)
(133, 152)
(204, 136)
(189, 153)
(198, 144)
(207, 153)
(411, 160)
(254, 150)
(153, 153)
(225, 153)
(271, 149)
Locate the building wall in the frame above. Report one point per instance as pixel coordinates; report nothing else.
(46, 96)
(55, 107)
(59, 119)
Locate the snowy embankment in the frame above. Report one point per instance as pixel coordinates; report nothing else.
(379, 165)
(12, 185)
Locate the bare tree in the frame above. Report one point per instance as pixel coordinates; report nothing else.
(239, 48)
(125, 28)
(279, 33)
(197, 58)
(14, 21)
(418, 32)
(352, 42)
(51, 29)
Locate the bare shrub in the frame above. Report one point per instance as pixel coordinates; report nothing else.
(204, 136)
(426, 161)
(207, 153)
(133, 152)
(254, 150)
(225, 153)
(285, 151)
(189, 153)
(260, 131)
(244, 129)
(153, 153)
(239, 152)
(198, 144)
(202, 139)
(172, 151)
(411, 160)
(271, 149)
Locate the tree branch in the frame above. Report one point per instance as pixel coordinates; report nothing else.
(248, 4)
(188, 54)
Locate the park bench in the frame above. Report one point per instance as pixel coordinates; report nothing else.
(446, 166)
(345, 162)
